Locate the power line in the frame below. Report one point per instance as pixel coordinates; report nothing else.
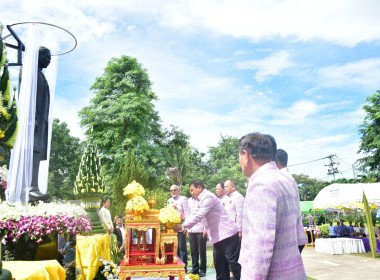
(307, 162)
(333, 169)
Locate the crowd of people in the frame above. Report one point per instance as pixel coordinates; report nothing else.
(341, 230)
(256, 237)
(259, 236)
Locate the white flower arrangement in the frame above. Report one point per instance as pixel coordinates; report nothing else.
(110, 270)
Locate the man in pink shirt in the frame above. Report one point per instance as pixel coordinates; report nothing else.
(219, 190)
(270, 217)
(223, 235)
(282, 163)
(234, 204)
(197, 239)
(220, 193)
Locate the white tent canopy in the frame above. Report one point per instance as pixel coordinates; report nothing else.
(347, 196)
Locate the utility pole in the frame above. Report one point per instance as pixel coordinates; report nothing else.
(332, 169)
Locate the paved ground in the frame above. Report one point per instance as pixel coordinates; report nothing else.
(322, 266)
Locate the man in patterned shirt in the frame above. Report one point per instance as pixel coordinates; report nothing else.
(270, 217)
(223, 235)
(220, 193)
(282, 163)
(234, 204)
(197, 239)
(181, 204)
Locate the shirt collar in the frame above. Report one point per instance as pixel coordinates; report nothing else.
(268, 166)
(232, 194)
(202, 194)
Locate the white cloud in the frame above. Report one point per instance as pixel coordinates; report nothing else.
(297, 113)
(363, 73)
(344, 22)
(269, 66)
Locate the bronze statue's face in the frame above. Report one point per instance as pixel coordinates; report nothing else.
(44, 57)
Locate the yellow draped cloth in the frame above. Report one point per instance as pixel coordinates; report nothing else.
(35, 270)
(87, 253)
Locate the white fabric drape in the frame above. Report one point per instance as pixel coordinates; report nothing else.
(339, 246)
(21, 163)
(51, 77)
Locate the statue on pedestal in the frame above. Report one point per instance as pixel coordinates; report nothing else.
(40, 143)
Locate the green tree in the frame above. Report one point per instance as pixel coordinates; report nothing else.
(224, 164)
(183, 162)
(123, 116)
(225, 154)
(130, 169)
(370, 136)
(64, 161)
(308, 187)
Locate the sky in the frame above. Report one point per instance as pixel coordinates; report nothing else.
(298, 70)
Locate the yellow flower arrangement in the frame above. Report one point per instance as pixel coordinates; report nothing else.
(138, 203)
(169, 215)
(134, 189)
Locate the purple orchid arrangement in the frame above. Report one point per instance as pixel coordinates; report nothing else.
(37, 222)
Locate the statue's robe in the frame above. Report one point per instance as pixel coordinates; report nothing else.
(42, 116)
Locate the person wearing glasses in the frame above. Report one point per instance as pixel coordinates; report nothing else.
(181, 204)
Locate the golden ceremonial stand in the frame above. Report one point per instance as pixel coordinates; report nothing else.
(156, 259)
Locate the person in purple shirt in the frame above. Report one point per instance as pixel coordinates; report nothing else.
(269, 248)
(220, 192)
(222, 233)
(282, 165)
(197, 239)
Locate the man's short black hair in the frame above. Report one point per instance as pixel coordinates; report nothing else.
(258, 145)
(220, 183)
(197, 183)
(282, 157)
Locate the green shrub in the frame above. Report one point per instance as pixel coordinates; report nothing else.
(324, 230)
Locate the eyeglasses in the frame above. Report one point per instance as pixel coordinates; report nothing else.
(173, 190)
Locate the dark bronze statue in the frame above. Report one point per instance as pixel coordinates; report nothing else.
(41, 124)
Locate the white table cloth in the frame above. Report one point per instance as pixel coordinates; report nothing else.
(339, 246)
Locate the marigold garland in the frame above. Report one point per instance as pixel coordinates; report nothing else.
(134, 188)
(169, 215)
(138, 203)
